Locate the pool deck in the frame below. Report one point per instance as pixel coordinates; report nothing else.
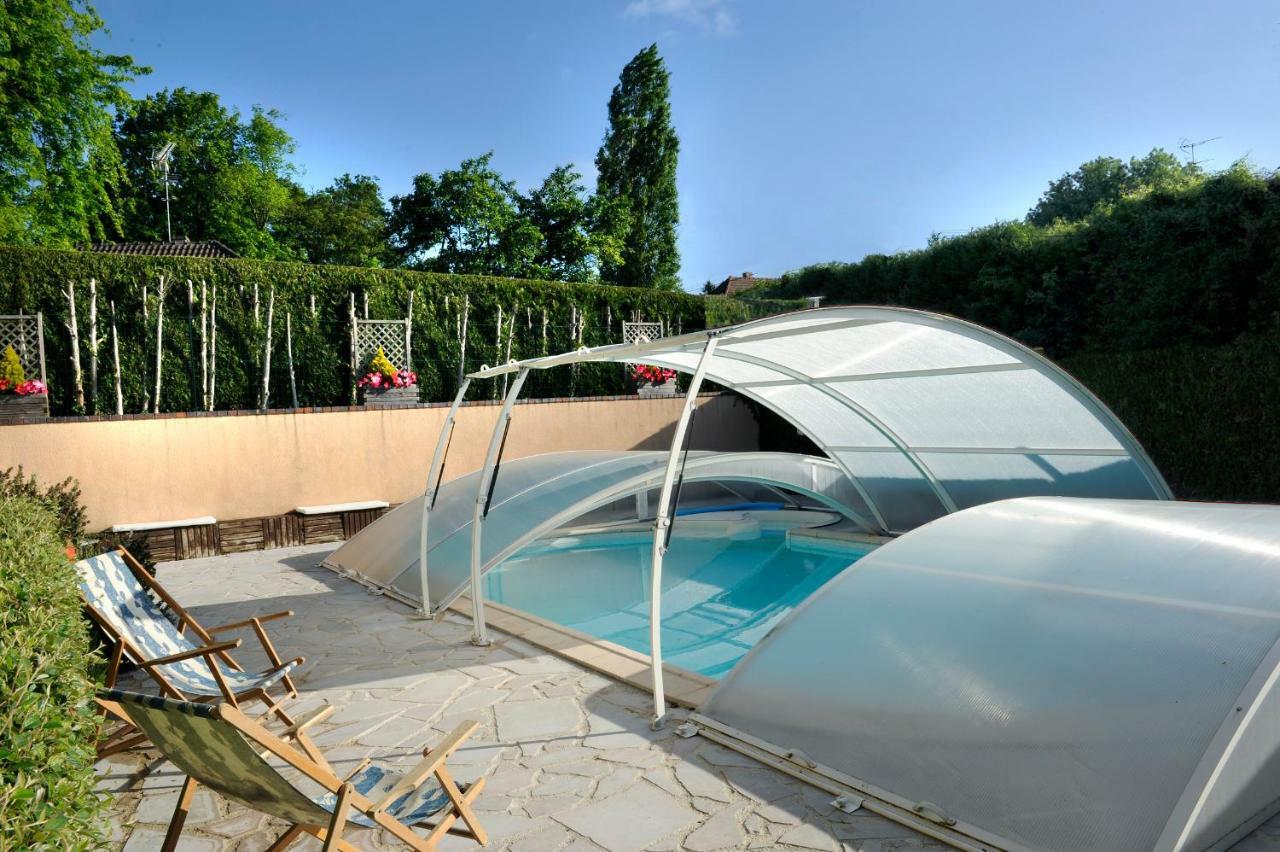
(570, 760)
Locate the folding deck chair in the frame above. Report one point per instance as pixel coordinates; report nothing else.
(221, 748)
(114, 588)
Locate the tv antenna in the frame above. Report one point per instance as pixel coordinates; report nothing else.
(1190, 147)
(160, 159)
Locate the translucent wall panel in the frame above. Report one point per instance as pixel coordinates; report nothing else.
(905, 497)
(1061, 673)
(536, 494)
(975, 478)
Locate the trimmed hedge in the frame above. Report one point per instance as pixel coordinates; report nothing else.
(33, 280)
(1209, 416)
(731, 310)
(47, 726)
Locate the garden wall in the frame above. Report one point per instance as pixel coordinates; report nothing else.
(231, 465)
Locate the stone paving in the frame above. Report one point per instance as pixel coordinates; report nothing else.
(570, 760)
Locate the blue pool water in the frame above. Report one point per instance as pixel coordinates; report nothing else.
(719, 596)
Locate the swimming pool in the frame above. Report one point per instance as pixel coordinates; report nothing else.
(721, 593)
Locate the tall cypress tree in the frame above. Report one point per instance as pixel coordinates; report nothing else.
(636, 189)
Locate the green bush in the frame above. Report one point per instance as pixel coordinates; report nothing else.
(47, 724)
(1197, 264)
(1209, 416)
(731, 310)
(62, 500)
(34, 280)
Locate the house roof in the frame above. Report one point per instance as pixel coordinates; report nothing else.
(736, 284)
(174, 248)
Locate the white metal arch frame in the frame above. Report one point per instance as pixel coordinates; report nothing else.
(793, 367)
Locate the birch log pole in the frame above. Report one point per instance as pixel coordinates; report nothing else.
(408, 335)
(160, 294)
(115, 359)
(288, 348)
(213, 346)
(351, 318)
(204, 345)
(146, 382)
(192, 352)
(76, 378)
(265, 399)
(497, 352)
(462, 339)
(94, 343)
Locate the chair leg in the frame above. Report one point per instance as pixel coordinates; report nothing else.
(462, 803)
(322, 833)
(179, 815)
(339, 822)
(283, 841)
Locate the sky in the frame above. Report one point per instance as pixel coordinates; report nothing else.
(810, 130)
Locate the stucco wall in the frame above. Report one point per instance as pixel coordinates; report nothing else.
(136, 470)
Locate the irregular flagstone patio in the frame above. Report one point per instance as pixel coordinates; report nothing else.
(570, 760)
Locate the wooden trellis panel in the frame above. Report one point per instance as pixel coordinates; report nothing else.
(633, 332)
(391, 336)
(25, 333)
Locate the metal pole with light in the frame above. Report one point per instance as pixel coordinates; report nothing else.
(161, 160)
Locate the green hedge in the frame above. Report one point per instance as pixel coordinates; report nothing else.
(47, 726)
(33, 280)
(731, 310)
(1209, 416)
(1200, 265)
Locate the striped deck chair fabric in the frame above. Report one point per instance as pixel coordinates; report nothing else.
(114, 592)
(217, 753)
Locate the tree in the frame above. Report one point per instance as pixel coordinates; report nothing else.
(231, 179)
(637, 177)
(345, 223)
(1106, 180)
(562, 214)
(58, 160)
(466, 221)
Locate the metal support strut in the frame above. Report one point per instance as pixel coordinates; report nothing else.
(661, 525)
(479, 633)
(433, 486)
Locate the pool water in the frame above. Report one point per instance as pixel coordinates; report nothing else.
(720, 595)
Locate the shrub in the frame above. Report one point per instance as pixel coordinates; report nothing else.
(62, 500)
(11, 374)
(47, 725)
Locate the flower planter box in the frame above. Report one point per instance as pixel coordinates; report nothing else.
(651, 389)
(15, 407)
(390, 397)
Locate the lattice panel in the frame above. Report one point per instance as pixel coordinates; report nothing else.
(385, 334)
(23, 334)
(642, 332)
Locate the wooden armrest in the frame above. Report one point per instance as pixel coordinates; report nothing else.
(314, 717)
(203, 650)
(248, 622)
(430, 763)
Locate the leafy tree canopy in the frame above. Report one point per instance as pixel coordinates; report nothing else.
(573, 244)
(231, 179)
(1106, 180)
(58, 160)
(637, 177)
(466, 221)
(345, 223)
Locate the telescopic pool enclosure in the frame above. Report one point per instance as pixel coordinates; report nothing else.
(1012, 673)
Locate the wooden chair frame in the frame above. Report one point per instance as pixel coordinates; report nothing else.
(310, 761)
(127, 736)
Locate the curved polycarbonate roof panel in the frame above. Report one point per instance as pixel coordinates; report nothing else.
(537, 494)
(1052, 673)
(926, 414)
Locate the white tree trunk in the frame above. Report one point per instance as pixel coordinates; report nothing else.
(76, 377)
(288, 348)
(115, 358)
(162, 290)
(146, 382)
(265, 400)
(497, 352)
(351, 317)
(408, 335)
(93, 345)
(204, 345)
(462, 339)
(213, 346)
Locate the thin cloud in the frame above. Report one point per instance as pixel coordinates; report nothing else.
(711, 15)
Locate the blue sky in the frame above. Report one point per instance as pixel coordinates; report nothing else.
(810, 130)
